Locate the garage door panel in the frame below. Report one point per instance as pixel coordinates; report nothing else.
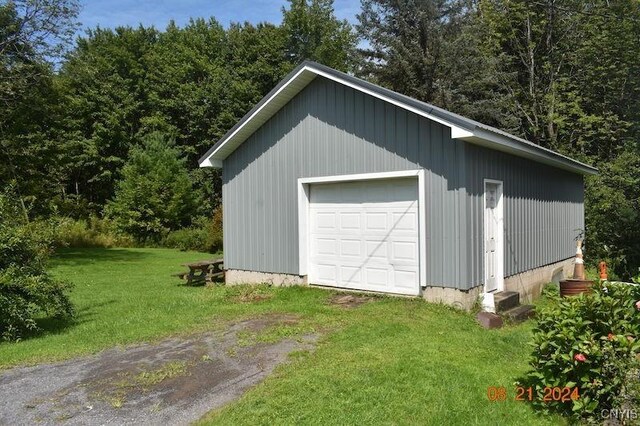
(350, 221)
(378, 277)
(376, 249)
(376, 221)
(405, 279)
(404, 221)
(351, 248)
(350, 275)
(404, 251)
(324, 247)
(325, 221)
(326, 273)
(364, 235)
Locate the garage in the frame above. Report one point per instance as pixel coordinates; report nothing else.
(364, 235)
(333, 181)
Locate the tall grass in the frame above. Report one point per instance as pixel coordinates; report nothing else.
(94, 232)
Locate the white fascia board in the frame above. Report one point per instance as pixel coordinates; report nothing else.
(460, 133)
(533, 152)
(210, 162)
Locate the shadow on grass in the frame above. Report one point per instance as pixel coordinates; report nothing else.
(52, 325)
(84, 256)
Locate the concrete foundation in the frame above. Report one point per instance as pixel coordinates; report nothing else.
(530, 283)
(450, 296)
(236, 276)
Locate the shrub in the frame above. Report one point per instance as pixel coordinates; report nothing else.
(187, 239)
(588, 342)
(95, 232)
(26, 289)
(206, 235)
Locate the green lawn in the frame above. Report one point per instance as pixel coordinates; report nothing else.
(392, 360)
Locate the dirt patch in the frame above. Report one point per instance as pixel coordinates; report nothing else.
(266, 321)
(175, 381)
(349, 300)
(251, 294)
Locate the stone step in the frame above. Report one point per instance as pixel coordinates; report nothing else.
(506, 300)
(489, 320)
(520, 313)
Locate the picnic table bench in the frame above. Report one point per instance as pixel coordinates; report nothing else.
(204, 271)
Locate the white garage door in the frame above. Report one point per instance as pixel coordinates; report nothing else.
(364, 235)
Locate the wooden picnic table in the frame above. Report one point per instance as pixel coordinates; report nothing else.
(204, 271)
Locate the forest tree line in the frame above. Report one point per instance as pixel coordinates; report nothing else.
(84, 117)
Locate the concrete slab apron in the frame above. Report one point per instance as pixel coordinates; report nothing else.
(175, 381)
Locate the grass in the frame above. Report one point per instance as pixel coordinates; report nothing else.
(391, 360)
(395, 361)
(121, 296)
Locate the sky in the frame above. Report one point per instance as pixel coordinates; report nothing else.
(113, 13)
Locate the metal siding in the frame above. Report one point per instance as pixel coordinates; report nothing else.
(543, 210)
(330, 129)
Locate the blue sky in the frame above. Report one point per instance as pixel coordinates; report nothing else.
(109, 14)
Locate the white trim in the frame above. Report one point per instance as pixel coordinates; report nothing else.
(303, 213)
(422, 223)
(500, 236)
(361, 176)
(303, 224)
(456, 132)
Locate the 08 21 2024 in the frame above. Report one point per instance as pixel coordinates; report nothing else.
(549, 394)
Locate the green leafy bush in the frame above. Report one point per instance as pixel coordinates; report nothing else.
(589, 342)
(27, 291)
(206, 235)
(95, 232)
(187, 239)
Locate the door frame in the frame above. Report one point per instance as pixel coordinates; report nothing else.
(499, 238)
(304, 208)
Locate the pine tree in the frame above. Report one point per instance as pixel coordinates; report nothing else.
(155, 194)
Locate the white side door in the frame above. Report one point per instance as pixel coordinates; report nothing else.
(493, 237)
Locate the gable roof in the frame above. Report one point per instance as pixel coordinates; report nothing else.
(461, 127)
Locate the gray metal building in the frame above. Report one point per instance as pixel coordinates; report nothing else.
(331, 180)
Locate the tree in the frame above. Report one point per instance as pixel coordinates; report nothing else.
(33, 34)
(576, 77)
(613, 214)
(313, 32)
(431, 51)
(105, 81)
(577, 90)
(155, 194)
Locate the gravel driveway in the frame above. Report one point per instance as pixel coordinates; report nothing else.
(172, 382)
